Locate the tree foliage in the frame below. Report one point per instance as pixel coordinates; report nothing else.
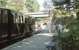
(69, 38)
(12, 4)
(32, 5)
(3, 3)
(15, 5)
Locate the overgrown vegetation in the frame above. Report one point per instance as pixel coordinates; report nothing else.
(19, 5)
(69, 38)
(32, 5)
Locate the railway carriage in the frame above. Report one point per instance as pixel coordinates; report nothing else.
(13, 25)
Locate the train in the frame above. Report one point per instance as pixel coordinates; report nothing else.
(14, 25)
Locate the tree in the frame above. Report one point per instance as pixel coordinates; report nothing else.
(3, 3)
(15, 5)
(69, 38)
(32, 5)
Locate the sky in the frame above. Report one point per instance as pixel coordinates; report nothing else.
(41, 2)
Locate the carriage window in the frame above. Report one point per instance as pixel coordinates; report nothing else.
(14, 17)
(21, 19)
(0, 16)
(0, 11)
(18, 19)
(5, 16)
